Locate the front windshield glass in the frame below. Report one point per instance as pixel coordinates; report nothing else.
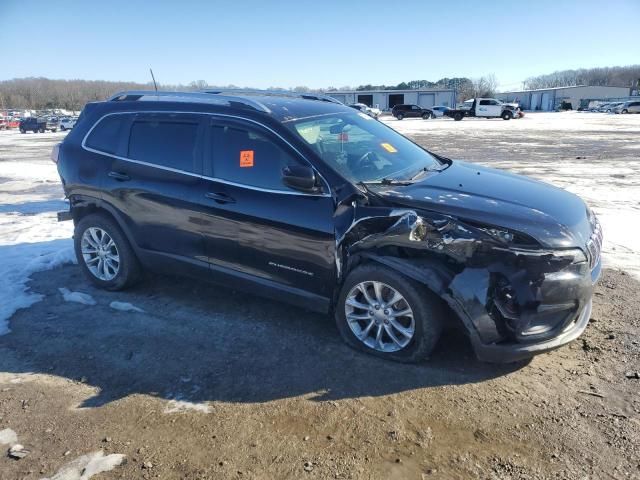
(362, 149)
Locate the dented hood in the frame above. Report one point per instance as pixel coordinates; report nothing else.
(552, 216)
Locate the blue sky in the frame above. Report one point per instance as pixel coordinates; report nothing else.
(317, 44)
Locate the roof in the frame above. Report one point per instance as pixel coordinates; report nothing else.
(280, 105)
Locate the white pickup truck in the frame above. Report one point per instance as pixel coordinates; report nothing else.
(484, 108)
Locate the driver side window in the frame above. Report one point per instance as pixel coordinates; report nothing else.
(247, 156)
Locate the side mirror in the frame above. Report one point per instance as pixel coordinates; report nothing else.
(299, 177)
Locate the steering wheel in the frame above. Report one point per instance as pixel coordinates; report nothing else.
(366, 160)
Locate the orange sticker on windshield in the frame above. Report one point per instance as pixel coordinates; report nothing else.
(246, 158)
(388, 147)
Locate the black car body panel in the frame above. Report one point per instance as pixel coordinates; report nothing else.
(515, 259)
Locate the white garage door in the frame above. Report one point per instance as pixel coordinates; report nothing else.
(340, 98)
(535, 101)
(546, 102)
(426, 99)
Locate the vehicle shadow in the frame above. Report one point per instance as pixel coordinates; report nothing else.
(199, 342)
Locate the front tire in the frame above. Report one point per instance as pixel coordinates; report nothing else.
(507, 115)
(383, 313)
(104, 253)
(625, 111)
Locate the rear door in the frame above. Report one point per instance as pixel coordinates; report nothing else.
(152, 182)
(253, 224)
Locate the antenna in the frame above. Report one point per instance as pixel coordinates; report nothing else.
(154, 80)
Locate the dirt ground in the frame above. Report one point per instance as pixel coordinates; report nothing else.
(207, 383)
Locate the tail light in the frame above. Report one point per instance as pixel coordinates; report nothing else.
(55, 153)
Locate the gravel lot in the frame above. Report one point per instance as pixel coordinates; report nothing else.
(207, 383)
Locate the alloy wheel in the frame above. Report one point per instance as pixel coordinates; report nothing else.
(379, 316)
(100, 254)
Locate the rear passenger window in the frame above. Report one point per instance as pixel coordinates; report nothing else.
(107, 133)
(166, 143)
(247, 157)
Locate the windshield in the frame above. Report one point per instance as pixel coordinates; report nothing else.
(362, 149)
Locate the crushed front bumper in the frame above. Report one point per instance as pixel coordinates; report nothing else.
(513, 352)
(561, 314)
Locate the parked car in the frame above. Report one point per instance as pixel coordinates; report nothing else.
(32, 124)
(371, 111)
(311, 202)
(409, 111)
(628, 107)
(439, 110)
(52, 124)
(612, 107)
(484, 108)
(67, 123)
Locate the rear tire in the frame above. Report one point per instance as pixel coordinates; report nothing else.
(22, 130)
(426, 312)
(92, 255)
(625, 111)
(458, 116)
(399, 116)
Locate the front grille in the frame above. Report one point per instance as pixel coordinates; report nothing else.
(594, 245)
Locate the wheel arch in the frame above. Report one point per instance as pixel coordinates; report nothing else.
(82, 205)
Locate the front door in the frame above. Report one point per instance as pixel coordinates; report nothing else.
(256, 226)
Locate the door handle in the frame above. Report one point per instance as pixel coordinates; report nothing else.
(121, 177)
(220, 197)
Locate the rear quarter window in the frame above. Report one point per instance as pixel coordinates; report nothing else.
(107, 133)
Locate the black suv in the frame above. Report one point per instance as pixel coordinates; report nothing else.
(409, 111)
(32, 124)
(312, 202)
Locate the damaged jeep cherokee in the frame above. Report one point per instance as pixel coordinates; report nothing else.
(300, 198)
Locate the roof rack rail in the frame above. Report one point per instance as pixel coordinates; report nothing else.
(275, 93)
(194, 97)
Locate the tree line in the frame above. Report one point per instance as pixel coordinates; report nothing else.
(628, 76)
(40, 93)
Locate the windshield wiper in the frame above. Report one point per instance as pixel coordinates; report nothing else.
(387, 181)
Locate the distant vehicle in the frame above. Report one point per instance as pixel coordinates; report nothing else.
(439, 110)
(32, 124)
(67, 123)
(409, 111)
(612, 106)
(484, 108)
(602, 107)
(628, 107)
(52, 124)
(371, 111)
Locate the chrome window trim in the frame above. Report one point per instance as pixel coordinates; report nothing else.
(204, 177)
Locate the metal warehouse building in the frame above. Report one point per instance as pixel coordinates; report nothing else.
(550, 98)
(386, 99)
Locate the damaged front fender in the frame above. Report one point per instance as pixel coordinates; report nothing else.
(505, 294)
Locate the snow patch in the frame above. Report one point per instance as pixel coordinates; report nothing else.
(125, 307)
(8, 437)
(19, 262)
(77, 297)
(86, 466)
(179, 405)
